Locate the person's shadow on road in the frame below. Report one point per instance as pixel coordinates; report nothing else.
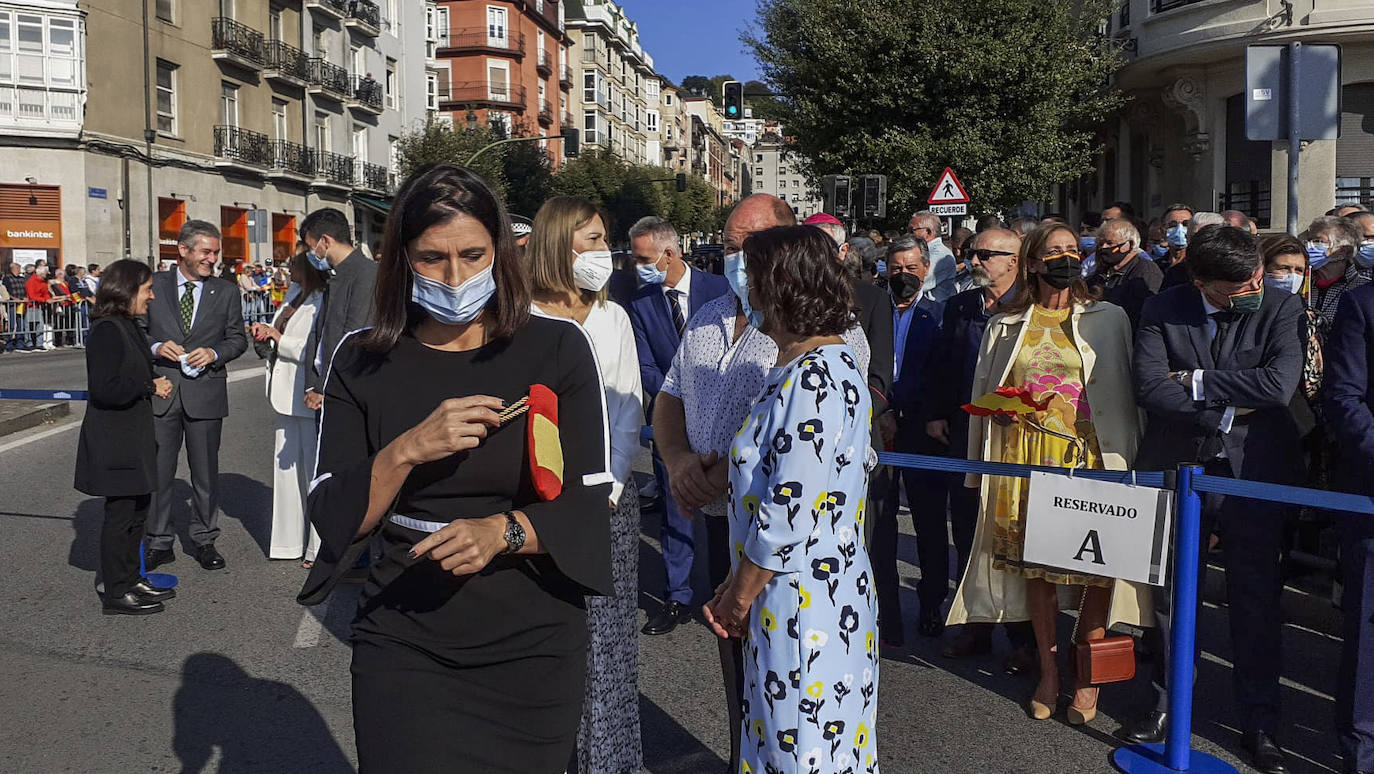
(258, 725)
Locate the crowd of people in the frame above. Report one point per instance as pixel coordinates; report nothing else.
(43, 309)
(456, 422)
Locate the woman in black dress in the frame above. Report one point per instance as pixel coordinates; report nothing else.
(117, 455)
(469, 644)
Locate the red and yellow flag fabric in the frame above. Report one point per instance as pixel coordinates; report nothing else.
(1008, 401)
(546, 449)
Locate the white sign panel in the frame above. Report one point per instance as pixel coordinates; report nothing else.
(29, 255)
(948, 209)
(1098, 528)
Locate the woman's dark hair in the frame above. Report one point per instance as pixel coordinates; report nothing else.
(1224, 254)
(1278, 245)
(119, 286)
(305, 275)
(430, 197)
(1028, 284)
(797, 278)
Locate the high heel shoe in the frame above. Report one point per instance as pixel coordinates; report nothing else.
(1080, 717)
(1039, 711)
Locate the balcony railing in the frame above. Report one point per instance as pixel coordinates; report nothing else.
(238, 41)
(545, 112)
(479, 39)
(285, 61)
(367, 92)
(364, 16)
(1160, 6)
(544, 63)
(338, 9)
(334, 168)
(480, 93)
(373, 177)
(242, 146)
(329, 76)
(565, 77)
(293, 158)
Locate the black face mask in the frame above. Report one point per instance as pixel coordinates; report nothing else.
(1110, 258)
(1061, 270)
(904, 286)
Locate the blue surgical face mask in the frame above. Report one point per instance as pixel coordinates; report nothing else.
(650, 274)
(1318, 254)
(1290, 283)
(882, 268)
(1159, 251)
(738, 279)
(1177, 236)
(317, 261)
(453, 305)
(1087, 245)
(1365, 255)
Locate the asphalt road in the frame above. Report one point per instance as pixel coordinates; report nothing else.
(236, 677)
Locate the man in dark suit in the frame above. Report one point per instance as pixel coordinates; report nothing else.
(915, 322)
(670, 294)
(1349, 394)
(1216, 363)
(1125, 275)
(347, 304)
(194, 329)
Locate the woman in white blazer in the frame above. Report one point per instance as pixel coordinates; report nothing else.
(294, 443)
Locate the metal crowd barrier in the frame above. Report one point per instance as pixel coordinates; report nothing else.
(32, 325)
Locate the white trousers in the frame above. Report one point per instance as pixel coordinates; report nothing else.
(294, 454)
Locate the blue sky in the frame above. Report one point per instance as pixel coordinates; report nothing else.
(696, 37)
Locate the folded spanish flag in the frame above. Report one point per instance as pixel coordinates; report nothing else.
(1007, 401)
(546, 449)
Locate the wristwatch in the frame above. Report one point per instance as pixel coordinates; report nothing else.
(515, 534)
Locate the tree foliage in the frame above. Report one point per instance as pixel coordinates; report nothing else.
(438, 143)
(628, 192)
(1007, 92)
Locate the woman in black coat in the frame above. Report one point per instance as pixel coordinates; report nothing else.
(117, 456)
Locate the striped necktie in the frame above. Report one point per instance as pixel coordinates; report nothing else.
(676, 308)
(188, 306)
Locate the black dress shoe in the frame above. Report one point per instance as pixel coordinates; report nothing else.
(130, 604)
(209, 558)
(668, 618)
(145, 590)
(1021, 661)
(932, 624)
(1148, 730)
(1265, 754)
(156, 557)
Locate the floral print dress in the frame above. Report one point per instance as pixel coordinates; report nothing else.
(796, 494)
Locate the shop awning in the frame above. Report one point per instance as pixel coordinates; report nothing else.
(380, 206)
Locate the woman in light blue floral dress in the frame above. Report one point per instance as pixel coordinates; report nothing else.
(800, 592)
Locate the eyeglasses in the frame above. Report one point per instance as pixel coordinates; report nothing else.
(983, 255)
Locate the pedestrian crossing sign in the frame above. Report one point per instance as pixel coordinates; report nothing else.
(948, 190)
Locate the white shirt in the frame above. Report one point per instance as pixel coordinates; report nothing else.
(1228, 417)
(195, 303)
(684, 289)
(617, 361)
(717, 377)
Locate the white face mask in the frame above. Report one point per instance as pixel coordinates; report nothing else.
(592, 269)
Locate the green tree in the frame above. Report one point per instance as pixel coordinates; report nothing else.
(1007, 92)
(528, 173)
(438, 143)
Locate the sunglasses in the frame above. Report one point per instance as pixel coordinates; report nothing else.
(983, 255)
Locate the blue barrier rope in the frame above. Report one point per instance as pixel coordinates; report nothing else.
(1293, 495)
(43, 395)
(955, 465)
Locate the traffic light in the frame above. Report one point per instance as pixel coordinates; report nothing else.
(681, 182)
(873, 197)
(734, 100)
(570, 140)
(836, 191)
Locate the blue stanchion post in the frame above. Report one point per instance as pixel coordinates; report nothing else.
(1177, 753)
(159, 579)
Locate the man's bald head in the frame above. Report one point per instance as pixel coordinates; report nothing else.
(1235, 218)
(754, 214)
(993, 259)
(997, 239)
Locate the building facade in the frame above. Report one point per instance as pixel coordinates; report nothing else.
(1183, 137)
(618, 87)
(775, 171)
(503, 62)
(245, 113)
(674, 130)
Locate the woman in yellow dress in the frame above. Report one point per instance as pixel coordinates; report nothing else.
(1072, 353)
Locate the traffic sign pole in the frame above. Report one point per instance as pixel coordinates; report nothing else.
(1294, 135)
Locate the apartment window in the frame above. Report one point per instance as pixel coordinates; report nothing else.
(393, 16)
(392, 87)
(758, 157)
(498, 80)
(589, 87)
(781, 183)
(163, 10)
(323, 137)
(496, 26)
(274, 28)
(278, 119)
(432, 91)
(539, 44)
(543, 99)
(441, 23)
(759, 171)
(589, 127)
(539, 6)
(357, 58)
(228, 104)
(667, 99)
(360, 142)
(651, 121)
(166, 97)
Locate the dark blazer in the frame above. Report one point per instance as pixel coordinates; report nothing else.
(956, 346)
(218, 325)
(875, 317)
(1130, 287)
(656, 338)
(117, 453)
(347, 307)
(909, 396)
(1347, 389)
(1258, 370)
